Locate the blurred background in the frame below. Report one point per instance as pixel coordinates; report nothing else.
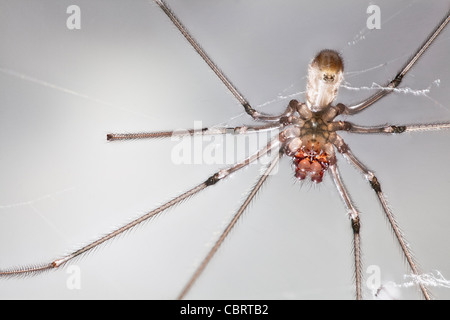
(128, 69)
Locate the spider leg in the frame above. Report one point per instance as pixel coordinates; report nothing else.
(191, 132)
(398, 78)
(350, 127)
(248, 108)
(35, 269)
(376, 186)
(354, 217)
(227, 230)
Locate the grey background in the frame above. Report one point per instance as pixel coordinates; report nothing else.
(128, 69)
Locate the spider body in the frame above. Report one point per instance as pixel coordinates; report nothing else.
(310, 143)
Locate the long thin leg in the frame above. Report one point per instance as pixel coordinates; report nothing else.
(227, 230)
(191, 132)
(248, 108)
(30, 270)
(350, 127)
(398, 78)
(372, 179)
(354, 217)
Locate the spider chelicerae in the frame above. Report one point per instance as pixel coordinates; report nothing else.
(287, 121)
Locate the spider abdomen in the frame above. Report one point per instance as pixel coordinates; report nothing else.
(325, 74)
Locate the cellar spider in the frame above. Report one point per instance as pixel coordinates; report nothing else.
(365, 225)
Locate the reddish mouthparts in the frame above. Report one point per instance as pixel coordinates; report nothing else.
(310, 164)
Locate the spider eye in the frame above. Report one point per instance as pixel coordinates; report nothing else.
(328, 77)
